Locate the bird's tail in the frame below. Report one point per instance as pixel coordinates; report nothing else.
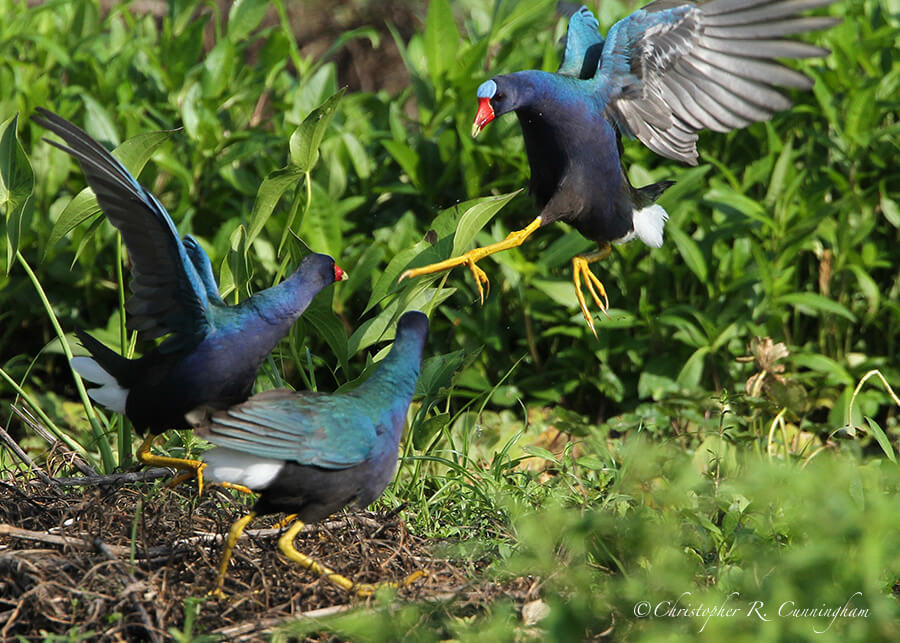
(650, 193)
(104, 367)
(649, 218)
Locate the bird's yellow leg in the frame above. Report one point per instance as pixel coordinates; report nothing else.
(192, 468)
(513, 240)
(581, 269)
(237, 528)
(286, 544)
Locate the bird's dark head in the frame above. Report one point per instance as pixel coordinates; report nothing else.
(413, 323)
(323, 264)
(495, 98)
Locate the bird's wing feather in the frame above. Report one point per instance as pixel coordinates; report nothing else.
(669, 70)
(584, 45)
(307, 428)
(168, 295)
(204, 269)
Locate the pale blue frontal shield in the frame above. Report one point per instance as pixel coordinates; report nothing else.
(487, 89)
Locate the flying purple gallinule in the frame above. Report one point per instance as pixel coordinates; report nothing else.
(211, 351)
(663, 74)
(310, 454)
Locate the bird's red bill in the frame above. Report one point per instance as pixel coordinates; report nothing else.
(483, 116)
(339, 274)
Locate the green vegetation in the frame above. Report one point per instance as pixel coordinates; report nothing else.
(681, 468)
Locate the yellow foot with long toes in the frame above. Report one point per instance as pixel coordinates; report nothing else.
(364, 590)
(581, 270)
(237, 528)
(286, 544)
(513, 240)
(284, 522)
(192, 468)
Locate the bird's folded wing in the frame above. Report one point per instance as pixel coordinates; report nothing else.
(584, 45)
(670, 70)
(307, 428)
(204, 269)
(167, 293)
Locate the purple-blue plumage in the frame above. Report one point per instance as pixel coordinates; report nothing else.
(311, 453)
(211, 351)
(662, 74)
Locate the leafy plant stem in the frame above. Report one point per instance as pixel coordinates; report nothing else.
(296, 58)
(122, 429)
(106, 454)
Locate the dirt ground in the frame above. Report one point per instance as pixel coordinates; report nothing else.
(120, 560)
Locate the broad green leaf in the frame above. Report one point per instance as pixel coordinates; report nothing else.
(305, 140)
(388, 281)
(868, 287)
(358, 155)
(475, 218)
(780, 172)
(563, 249)
(217, 68)
(321, 316)
(245, 16)
(882, 439)
(811, 303)
(268, 195)
(381, 328)
(824, 364)
(406, 158)
(691, 253)
(425, 252)
(690, 374)
(98, 121)
(733, 203)
(438, 371)
(133, 154)
(321, 227)
(16, 185)
(540, 452)
(890, 209)
(441, 39)
(425, 431)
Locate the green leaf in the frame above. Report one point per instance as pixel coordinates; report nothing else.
(882, 439)
(321, 316)
(133, 154)
(442, 229)
(267, 197)
(217, 68)
(307, 138)
(475, 218)
(98, 121)
(780, 172)
(690, 374)
(890, 209)
(823, 364)
(16, 185)
(428, 429)
(811, 303)
(691, 253)
(406, 158)
(244, 17)
(437, 372)
(540, 452)
(381, 328)
(441, 39)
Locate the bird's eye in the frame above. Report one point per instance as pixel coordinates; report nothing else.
(499, 96)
